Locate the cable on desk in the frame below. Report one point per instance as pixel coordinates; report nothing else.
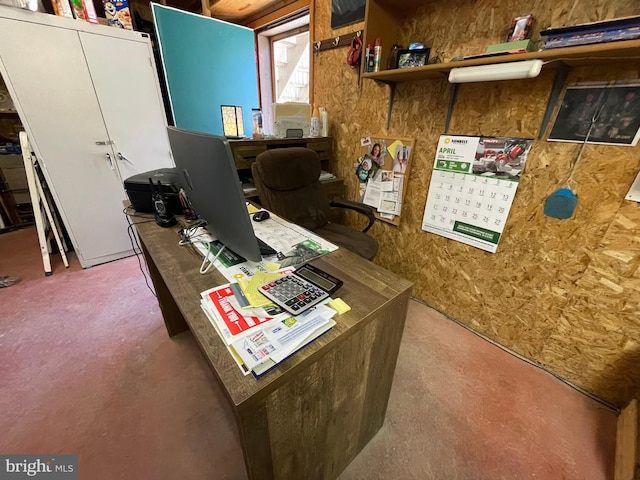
(206, 269)
(188, 236)
(190, 233)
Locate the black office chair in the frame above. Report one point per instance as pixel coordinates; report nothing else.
(287, 180)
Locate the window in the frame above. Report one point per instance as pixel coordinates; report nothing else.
(283, 63)
(290, 67)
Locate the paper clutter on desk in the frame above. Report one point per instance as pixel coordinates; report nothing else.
(271, 266)
(250, 288)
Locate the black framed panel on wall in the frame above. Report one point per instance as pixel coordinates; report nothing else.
(345, 12)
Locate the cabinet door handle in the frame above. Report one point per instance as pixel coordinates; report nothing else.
(110, 161)
(124, 159)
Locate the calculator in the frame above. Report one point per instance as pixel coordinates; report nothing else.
(298, 291)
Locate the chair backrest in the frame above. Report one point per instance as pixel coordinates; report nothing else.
(287, 181)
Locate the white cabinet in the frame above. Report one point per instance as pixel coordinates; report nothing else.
(89, 99)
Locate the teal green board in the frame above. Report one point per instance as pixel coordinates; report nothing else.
(207, 63)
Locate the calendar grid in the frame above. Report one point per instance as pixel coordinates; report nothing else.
(467, 200)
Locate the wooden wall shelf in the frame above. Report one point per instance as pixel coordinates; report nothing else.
(573, 56)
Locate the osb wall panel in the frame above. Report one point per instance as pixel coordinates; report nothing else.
(564, 294)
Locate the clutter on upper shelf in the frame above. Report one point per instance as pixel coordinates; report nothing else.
(626, 28)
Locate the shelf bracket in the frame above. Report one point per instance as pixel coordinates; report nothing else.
(558, 84)
(392, 93)
(452, 101)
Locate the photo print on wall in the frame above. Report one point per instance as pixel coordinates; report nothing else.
(607, 114)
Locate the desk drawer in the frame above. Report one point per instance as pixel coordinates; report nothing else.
(244, 156)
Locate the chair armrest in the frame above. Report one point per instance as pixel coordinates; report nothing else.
(356, 206)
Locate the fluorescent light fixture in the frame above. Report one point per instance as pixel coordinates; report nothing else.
(496, 71)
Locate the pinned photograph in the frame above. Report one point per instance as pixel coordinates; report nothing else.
(401, 160)
(366, 169)
(386, 181)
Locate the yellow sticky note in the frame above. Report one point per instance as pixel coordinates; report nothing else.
(250, 288)
(393, 147)
(251, 208)
(339, 306)
(272, 266)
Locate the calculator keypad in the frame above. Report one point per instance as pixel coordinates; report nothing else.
(292, 293)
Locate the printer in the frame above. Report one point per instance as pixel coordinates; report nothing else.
(139, 190)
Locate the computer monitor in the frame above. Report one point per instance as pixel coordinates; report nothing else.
(205, 164)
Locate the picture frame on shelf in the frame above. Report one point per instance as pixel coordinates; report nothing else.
(232, 121)
(413, 58)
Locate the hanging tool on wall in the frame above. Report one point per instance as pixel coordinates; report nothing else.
(562, 203)
(355, 52)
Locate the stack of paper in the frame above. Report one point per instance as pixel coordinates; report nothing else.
(260, 338)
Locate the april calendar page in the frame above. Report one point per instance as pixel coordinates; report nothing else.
(472, 188)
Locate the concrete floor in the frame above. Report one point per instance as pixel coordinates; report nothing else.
(86, 367)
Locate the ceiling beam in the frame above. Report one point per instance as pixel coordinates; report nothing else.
(274, 12)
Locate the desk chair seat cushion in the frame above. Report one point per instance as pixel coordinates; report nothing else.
(288, 185)
(349, 238)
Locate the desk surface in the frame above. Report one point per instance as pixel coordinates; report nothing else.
(312, 414)
(366, 288)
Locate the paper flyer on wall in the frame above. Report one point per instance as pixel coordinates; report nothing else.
(472, 188)
(381, 170)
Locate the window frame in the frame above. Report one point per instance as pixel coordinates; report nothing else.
(264, 52)
(282, 36)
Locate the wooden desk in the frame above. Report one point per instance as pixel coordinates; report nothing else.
(310, 416)
(246, 150)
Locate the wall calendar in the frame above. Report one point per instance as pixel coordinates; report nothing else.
(472, 188)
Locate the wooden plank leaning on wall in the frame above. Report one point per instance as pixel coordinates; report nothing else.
(206, 11)
(627, 446)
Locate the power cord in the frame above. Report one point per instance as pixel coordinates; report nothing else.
(133, 238)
